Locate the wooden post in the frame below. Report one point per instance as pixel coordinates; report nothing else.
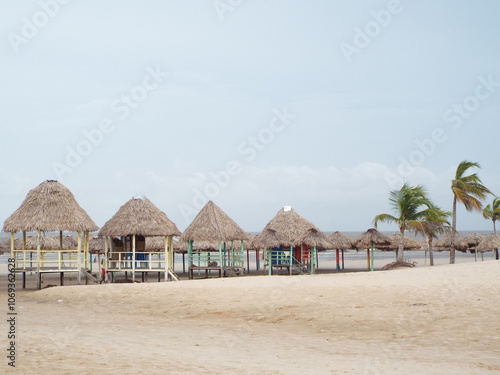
(61, 278)
(337, 260)
(133, 258)
(248, 258)
(183, 262)
(368, 259)
(79, 242)
(342, 258)
(372, 258)
(257, 260)
(38, 276)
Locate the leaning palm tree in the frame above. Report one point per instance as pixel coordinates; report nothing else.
(467, 190)
(492, 212)
(434, 223)
(409, 204)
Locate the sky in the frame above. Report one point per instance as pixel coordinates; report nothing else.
(322, 105)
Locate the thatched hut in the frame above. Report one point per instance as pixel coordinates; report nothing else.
(50, 207)
(472, 241)
(340, 241)
(212, 225)
(125, 240)
(451, 240)
(290, 242)
(368, 240)
(491, 242)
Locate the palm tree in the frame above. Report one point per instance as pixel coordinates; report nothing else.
(434, 223)
(409, 204)
(467, 190)
(492, 211)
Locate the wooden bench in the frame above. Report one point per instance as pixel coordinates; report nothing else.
(206, 269)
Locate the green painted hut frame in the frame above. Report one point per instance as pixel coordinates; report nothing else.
(125, 241)
(213, 226)
(49, 207)
(290, 242)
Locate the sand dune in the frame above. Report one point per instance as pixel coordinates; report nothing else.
(440, 320)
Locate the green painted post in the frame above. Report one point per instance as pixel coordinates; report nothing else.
(371, 258)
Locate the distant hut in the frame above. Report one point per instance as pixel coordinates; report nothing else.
(50, 207)
(125, 240)
(451, 240)
(473, 240)
(340, 241)
(368, 240)
(408, 243)
(491, 242)
(290, 242)
(212, 225)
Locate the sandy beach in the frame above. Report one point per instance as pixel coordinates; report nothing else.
(424, 320)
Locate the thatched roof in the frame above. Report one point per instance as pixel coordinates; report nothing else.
(364, 240)
(314, 237)
(141, 217)
(269, 238)
(408, 243)
(474, 239)
(340, 241)
(451, 240)
(213, 224)
(49, 207)
(46, 242)
(490, 242)
(292, 229)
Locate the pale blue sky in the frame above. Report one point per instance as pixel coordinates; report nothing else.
(221, 78)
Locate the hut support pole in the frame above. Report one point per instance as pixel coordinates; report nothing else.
(183, 262)
(38, 274)
(257, 260)
(190, 254)
(475, 254)
(79, 255)
(342, 258)
(133, 258)
(12, 255)
(337, 260)
(368, 259)
(248, 261)
(221, 255)
(314, 259)
(372, 258)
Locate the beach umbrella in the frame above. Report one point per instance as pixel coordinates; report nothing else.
(408, 243)
(451, 240)
(473, 240)
(368, 240)
(340, 241)
(490, 242)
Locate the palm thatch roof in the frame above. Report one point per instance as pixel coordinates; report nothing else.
(141, 217)
(269, 238)
(96, 244)
(408, 243)
(46, 242)
(490, 242)
(451, 240)
(474, 239)
(340, 241)
(364, 240)
(213, 224)
(314, 237)
(49, 207)
(291, 229)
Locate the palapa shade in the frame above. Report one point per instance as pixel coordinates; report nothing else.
(473, 239)
(46, 243)
(340, 241)
(408, 243)
(364, 240)
(451, 240)
(490, 242)
(49, 207)
(314, 237)
(141, 217)
(268, 238)
(213, 225)
(291, 229)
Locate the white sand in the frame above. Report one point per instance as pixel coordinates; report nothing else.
(439, 320)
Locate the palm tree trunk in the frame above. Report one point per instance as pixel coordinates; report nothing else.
(454, 228)
(400, 255)
(431, 255)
